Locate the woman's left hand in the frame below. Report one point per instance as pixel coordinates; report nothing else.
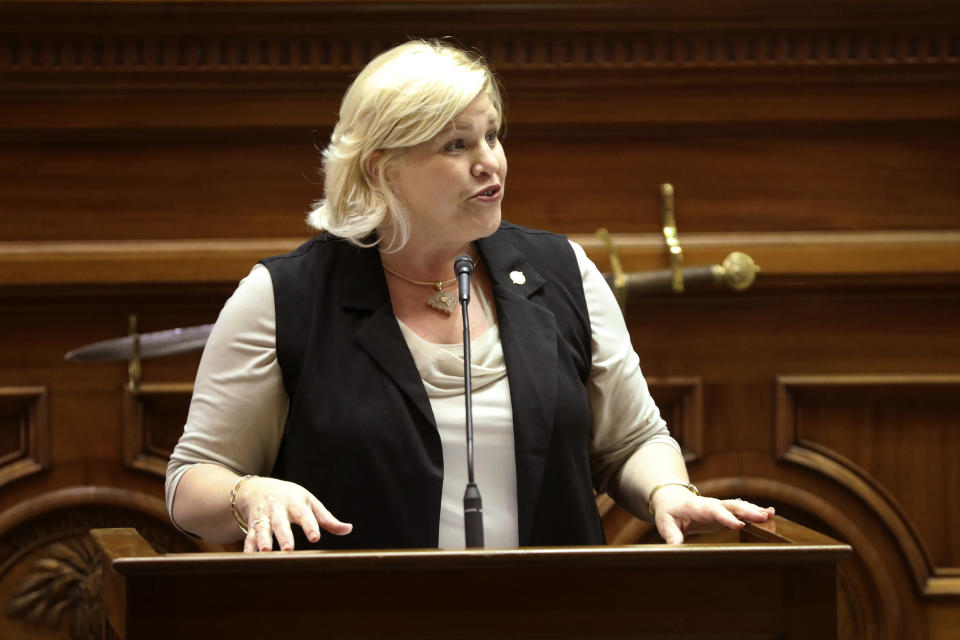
(678, 512)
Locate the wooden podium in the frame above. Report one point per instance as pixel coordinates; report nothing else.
(775, 581)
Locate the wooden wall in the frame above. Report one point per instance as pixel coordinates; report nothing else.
(151, 152)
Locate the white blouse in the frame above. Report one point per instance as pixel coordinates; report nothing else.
(239, 404)
(441, 367)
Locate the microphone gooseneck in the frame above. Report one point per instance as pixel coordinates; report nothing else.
(472, 503)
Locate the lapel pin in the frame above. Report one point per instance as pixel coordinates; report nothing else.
(518, 277)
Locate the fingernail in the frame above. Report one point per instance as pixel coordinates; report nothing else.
(313, 536)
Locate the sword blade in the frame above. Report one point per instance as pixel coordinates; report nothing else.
(152, 345)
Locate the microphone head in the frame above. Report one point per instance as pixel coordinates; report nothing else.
(463, 264)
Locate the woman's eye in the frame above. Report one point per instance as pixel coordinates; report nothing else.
(454, 145)
(492, 138)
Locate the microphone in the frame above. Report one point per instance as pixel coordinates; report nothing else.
(463, 267)
(472, 503)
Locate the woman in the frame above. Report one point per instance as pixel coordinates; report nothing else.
(329, 396)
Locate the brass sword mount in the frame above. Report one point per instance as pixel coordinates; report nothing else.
(667, 215)
(134, 369)
(737, 271)
(619, 283)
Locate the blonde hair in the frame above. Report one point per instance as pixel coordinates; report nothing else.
(403, 97)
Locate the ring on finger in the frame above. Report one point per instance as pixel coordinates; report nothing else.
(258, 521)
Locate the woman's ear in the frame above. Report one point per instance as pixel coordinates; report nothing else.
(372, 165)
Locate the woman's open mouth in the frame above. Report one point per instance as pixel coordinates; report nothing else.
(491, 194)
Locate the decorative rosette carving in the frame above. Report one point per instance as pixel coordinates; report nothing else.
(62, 588)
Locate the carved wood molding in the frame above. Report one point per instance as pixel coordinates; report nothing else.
(24, 432)
(681, 404)
(793, 393)
(787, 259)
(153, 420)
(49, 569)
(551, 53)
(551, 44)
(81, 497)
(154, 65)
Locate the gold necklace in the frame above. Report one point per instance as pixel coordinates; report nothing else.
(440, 300)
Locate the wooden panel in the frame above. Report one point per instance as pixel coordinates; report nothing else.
(871, 591)
(24, 432)
(738, 345)
(172, 186)
(523, 593)
(943, 621)
(179, 184)
(796, 117)
(743, 179)
(153, 420)
(85, 400)
(856, 428)
(681, 404)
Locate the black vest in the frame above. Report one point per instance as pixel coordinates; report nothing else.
(360, 433)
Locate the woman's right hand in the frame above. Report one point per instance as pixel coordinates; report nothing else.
(270, 506)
